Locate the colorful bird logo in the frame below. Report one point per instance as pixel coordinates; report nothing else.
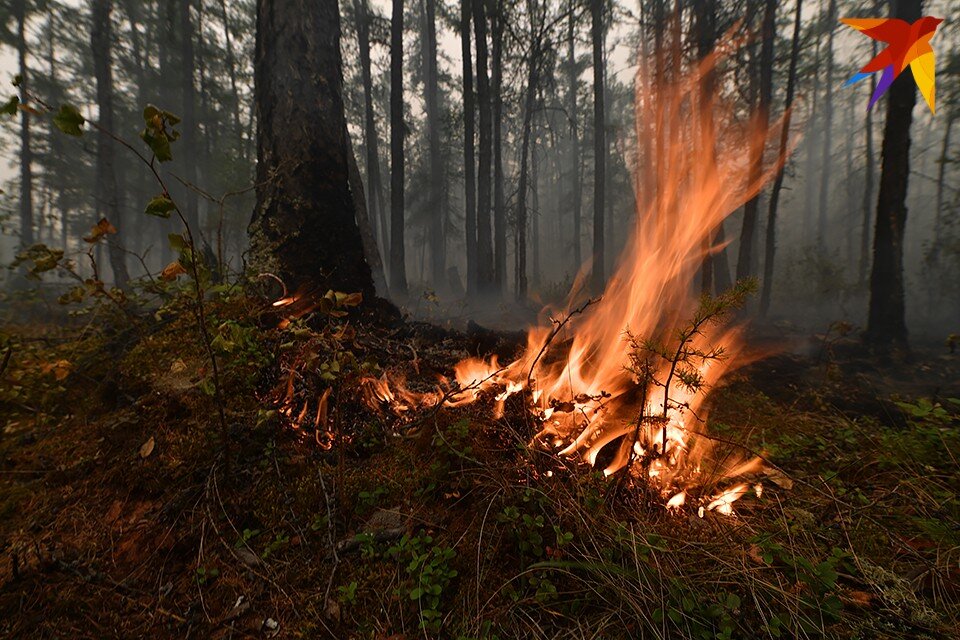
(908, 44)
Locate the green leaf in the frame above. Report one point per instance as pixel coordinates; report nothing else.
(10, 106)
(69, 120)
(160, 206)
(177, 242)
(159, 143)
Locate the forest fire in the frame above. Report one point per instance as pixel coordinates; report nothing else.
(628, 366)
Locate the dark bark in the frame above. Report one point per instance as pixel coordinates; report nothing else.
(469, 160)
(438, 256)
(398, 267)
(599, 144)
(107, 189)
(886, 323)
(750, 210)
(304, 228)
(771, 239)
(826, 160)
(576, 195)
(26, 150)
(485, 273)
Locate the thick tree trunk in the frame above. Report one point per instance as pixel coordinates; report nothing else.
(485, 272)
(573, 117)
(599, 144)
(304, 227)
(26, 150)
(771, 239)
(438, 214)
(826, 161)
(750, 210)
(886, 323)
(398, 267)
(107, 191)
(469, 160)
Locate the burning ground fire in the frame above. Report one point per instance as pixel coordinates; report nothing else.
(580, 373)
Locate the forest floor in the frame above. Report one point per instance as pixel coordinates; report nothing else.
(124, 515)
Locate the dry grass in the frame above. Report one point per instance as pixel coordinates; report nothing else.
(472, 534)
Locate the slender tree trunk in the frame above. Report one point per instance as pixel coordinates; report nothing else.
(485, 270)
(810, 143)
(869, 178)
(378, 206)
(469, 161)
(188, 144)
(499, 204)
(827, 160)
(771, 239)
(599, 143)
(232, 72)
(437, 214)
(304, 227)
(750, 210)
(886, 323)
(398, 268)
(573, 117)
(528, 106)
(26, 150)
(942, 162)
(108, 196)
(367, 233)
(535, 214)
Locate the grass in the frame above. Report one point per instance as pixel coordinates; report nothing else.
(456, 528)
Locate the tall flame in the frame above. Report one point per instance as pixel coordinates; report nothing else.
(585, 397)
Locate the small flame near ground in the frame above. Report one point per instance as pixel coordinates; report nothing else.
(574, 369)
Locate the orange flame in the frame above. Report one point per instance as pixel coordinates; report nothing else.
(586, 398)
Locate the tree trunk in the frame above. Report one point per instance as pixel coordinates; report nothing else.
(528, 106)
(304, 227)
(398, 267)
(232, 72)
(599, 143)
(942, 162)
(827, 160)
(26, 151)
(868, 180)
(469, 161)
(107, 192)
(367, 234)
(378, 206)
(573, 117)
(485, 273)
(771, 239)
(886, 323)
(188, 144)
(750, 210)
(499, 204)
(437, 213)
